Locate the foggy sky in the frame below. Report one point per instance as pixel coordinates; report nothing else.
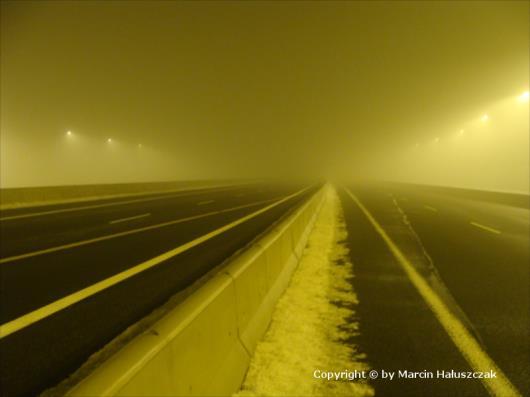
(246, 89)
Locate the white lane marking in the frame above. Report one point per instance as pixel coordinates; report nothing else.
(125, 233)
(45, 311)
(114, 203)
(486, 228)
(428, 207)
(130, 218)
(205, 202)
(470, 349)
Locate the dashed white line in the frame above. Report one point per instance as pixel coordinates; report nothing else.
(428, 207)
(205, 202)
(486, 228)
(130, 218)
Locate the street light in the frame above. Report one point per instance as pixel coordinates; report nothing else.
(109, 140)
(485, 118)
(139, 146)
(524, 97)
(68, 133)
(462, 131)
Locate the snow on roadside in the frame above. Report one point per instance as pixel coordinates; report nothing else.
(312, 324)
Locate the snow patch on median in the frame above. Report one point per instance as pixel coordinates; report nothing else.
(312, 325)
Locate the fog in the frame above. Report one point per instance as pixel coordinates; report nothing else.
(217, 90)
(488, 151)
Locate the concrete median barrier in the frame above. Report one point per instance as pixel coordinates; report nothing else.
(203, 347)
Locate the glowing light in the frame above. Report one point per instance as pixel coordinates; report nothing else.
(140, 145)
(485, 118)
(436, 140)
(462, 132)
(109, 140)
(524, 97)
(68, 133)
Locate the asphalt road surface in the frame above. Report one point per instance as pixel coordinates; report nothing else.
(75, 276)
(474, 255)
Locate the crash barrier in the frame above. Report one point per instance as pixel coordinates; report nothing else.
(203, 347)
(33, 196)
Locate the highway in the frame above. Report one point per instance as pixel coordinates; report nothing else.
(74, 276)
(471, 254)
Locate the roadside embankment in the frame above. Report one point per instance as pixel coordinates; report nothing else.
(514, 199)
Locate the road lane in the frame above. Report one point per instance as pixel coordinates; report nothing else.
(50, 308)
(482, 275)
(127, 232)
(485, 267)
(42, 354)
(463, 339)
(397, 329)
(34, 233)
(74, 261)
(42, 209)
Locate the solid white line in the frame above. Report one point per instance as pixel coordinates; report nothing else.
(205, 202)
(470, 349)
(114, 203)
(60, 304)
(428, 207)
(129, 218)
(125, 233)
(486, 228)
